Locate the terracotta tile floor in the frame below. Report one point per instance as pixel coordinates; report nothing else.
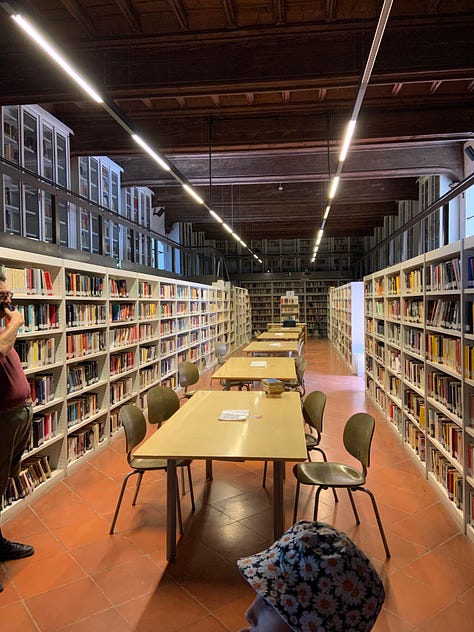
(82, 579)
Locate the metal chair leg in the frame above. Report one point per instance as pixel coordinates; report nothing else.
(119, 502)
(379, 521)
(354, 508)
(137, 488)
(297, 497)
(316, 503)
(191, 489)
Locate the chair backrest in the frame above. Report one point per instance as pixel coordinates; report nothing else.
(162, 402)
(301, 365)
(188, 374)
(313, 410)
(134, 424)
(358, 433)
(220, 349)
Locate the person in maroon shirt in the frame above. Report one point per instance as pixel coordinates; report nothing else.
(15, 412)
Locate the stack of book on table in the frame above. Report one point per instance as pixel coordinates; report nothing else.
(273, 387)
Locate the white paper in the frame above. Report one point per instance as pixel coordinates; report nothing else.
(275, 344)
(234, 415)
(258, 363)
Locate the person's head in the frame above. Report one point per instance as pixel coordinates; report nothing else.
(5, 294)
(313, 578)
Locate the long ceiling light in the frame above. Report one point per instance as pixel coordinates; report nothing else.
(113, 110)
(369, 66)
(57, 57)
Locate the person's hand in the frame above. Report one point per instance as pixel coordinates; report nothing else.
(14, 317)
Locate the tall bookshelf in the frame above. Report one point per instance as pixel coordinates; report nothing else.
(289, 306)
(419, 348)
(95, 338)
(312, 294)
(346, 323)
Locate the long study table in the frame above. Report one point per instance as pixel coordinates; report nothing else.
(272, 431)
(256, 369)
(272, 347)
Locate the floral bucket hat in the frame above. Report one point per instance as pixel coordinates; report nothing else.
(317, 579)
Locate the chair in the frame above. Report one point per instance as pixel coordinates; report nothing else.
(299, 383)
(162, 402)
(313, 411)
(357, 437)
(220, 349)
(134, 425)
(188, 374)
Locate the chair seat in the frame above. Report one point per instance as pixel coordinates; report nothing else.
(142, 463)
(328, 474)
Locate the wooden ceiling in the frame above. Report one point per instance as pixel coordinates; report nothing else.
(249, 100)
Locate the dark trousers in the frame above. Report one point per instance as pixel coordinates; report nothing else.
(15, 428)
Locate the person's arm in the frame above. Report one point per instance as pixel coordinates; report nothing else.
(8, 335)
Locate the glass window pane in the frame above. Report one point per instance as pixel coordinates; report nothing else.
(10, 133)
(30, 142)
(32, 223)
(85, 230)
(94, 180)
(62, 208)
(61, 160)
(12, 205)
(48, 218)
(47, 153)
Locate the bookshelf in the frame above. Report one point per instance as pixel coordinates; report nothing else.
(419, 364)
(289, 307)
(346, 323)
(312, 295)
(97, 337)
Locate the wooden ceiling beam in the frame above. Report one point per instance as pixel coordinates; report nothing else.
(180, 14)
(130, 14)
(81, 16)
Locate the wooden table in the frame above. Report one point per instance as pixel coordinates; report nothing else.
(273, 431)
(255, 369)
(302, 327)
(286, 333)
(272, 347)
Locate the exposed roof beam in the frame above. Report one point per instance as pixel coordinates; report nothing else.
(131, 15)
(229, 11)
(279, 10)
(79, 14)
(180, 14)
(331, 6)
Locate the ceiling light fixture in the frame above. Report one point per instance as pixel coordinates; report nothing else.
(379, 31)
(110, 106)
(151, 152)
(193, 193)
(59, 59)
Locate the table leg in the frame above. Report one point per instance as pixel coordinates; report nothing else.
(171, 500)
(278, 509)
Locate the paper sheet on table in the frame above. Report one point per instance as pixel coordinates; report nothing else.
(275, 344)
(258, 363)
(234, 415)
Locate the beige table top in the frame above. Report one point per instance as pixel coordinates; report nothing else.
(286, 333)
(272, 346)
(245, 368)
(276, 327)
(273, 431)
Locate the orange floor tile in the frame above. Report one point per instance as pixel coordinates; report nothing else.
(81, 579)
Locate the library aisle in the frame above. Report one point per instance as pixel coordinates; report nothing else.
(81, 579)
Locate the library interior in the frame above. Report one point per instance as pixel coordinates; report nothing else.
(222, 224)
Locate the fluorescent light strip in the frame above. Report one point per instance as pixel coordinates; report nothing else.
(193, 193)
(151, 152)
(28, 28)
(326, 213)
(216, 216)
(347, 139)
(334, 184)
(53, 53)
